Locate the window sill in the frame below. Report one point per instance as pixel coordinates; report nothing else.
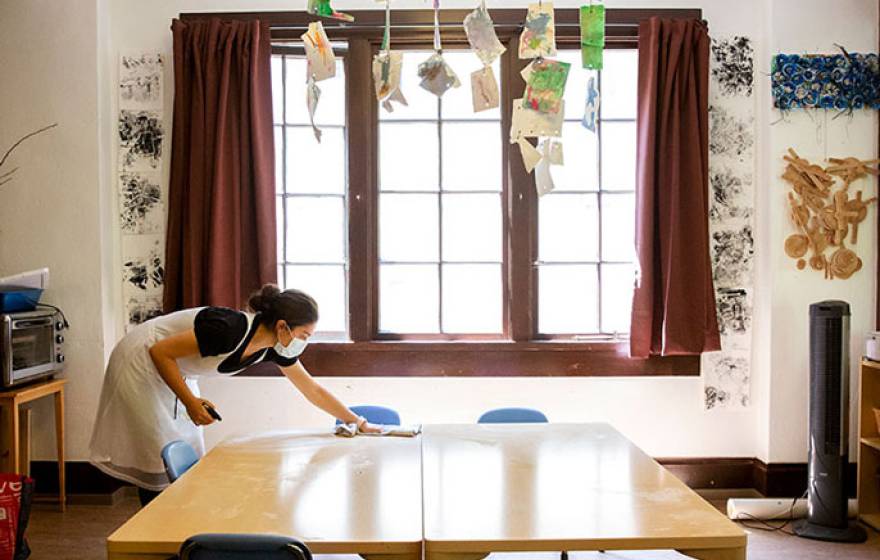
(487, 359)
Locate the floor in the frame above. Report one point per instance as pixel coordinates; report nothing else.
(79, 534)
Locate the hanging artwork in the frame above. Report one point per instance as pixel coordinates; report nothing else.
(484, 89)
(324, 9)
(539, 160)
(140, 199)
(546, 85)
(591, 106)
(141, 309)
(387, 65)
(843, 82)
(528, 123)
(140, 140)
(538, 38)
(592, 20)
(733, 65)
(140, 81)
(321, 62)
(437, 76)
(143, 270)
(313, 95)
(481, 35)
(826, 219)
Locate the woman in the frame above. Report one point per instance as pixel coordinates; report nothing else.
(150, 396)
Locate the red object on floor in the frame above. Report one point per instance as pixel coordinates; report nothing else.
(11, 486)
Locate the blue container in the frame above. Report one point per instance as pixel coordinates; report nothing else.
(16, 298)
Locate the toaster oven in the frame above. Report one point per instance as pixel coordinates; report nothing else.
(32, 345)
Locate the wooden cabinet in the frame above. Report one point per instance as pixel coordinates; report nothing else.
(869, 444)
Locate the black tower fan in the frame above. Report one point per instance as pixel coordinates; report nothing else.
(829, 423)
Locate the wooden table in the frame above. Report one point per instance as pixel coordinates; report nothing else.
(339, 496)
(15, 430)
(554, 487)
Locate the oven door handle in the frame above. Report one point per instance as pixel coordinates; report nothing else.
(31, 323)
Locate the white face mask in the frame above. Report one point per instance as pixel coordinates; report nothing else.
(294, 348)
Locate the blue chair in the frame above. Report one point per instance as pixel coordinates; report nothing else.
(513, 416)
(214, 546)
(178, 457)
(377, 415)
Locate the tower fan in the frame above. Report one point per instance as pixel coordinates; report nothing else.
(829, 422)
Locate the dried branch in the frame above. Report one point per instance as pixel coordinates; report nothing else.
(22, 139)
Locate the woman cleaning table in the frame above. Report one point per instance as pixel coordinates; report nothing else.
(150, 395)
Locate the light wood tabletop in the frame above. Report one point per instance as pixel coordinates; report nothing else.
(340, 496)
(559, 487)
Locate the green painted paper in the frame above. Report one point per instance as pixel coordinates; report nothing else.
(592, 35)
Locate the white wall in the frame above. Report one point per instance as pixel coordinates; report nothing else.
(663, 415)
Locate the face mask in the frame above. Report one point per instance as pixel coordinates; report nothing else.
(293, 349)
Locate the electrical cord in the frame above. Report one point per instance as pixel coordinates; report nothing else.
(765, 526)
(58, 309)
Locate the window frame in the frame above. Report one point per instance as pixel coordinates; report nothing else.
(519, 351)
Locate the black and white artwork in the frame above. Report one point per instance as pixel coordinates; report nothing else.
(140, 81)
(141, 309)
(733, 67)
(731, 213)
(141, 206)
(140, 140)
(143, 272)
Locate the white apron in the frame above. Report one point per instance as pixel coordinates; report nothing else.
(136, 414)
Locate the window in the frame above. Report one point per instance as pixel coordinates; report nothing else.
(420, 233)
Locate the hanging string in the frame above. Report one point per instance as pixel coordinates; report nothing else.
(437, 46)
(386, 37)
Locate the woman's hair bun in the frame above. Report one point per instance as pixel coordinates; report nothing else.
(263, 300)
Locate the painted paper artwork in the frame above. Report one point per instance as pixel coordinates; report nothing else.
(733, 65)
(319, 54)
(324, 9)
(481, 35)
(437, 76)
(531, 156)
(144, 272)
(843, 82)
(386, 78)
(591, 106)
(313, 95)
(141, 309)
(528, 123)
(732, 252)
(484, 89)
(538, 37)
(142, 210)
(731, 371)
(592, 20)
(140, 81)
(140, 140)
(546, 85)
(730, 135)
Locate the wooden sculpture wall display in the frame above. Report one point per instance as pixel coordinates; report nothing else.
(827, 220)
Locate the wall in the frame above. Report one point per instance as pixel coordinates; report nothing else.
(663, 415)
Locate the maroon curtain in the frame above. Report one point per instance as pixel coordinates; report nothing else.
(674, 302)
(221, 205)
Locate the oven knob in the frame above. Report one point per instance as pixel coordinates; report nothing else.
(59, 358)
(59, 339)
(59, 326)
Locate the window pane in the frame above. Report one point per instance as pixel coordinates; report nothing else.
(619, 84)
(314, 168)
(331, 105)
(568, 228)
(581, 157)
(279, 159)
(408, 227)
(472, 156)
(409, 298)
(472, 298)
(617, 290)
(618, 227)
(422, 104)
(327, 285)
(472, 227)
(576, 86)
(567, 299)
(315, 229)
(457, 103)
(277, 91)
(408, 156)
(279, 226)
(618, 156)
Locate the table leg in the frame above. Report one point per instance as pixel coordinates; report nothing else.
(716, 553)
(24, 441)
(12, 436)
(59, 441)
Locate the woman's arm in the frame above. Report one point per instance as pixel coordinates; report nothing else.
(321, 397)
(164, 355)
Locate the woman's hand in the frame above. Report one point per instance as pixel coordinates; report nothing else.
(367, 428)
(198, 413)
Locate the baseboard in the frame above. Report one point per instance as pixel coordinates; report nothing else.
(87, 484)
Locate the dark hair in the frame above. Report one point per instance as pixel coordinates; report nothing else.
(294, 307)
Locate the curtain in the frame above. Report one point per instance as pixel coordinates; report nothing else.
(674, 300)
(221, 240)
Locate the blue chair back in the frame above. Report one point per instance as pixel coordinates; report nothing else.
(513, 416)
(377, 415)
(178, 457)
(213, 546)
